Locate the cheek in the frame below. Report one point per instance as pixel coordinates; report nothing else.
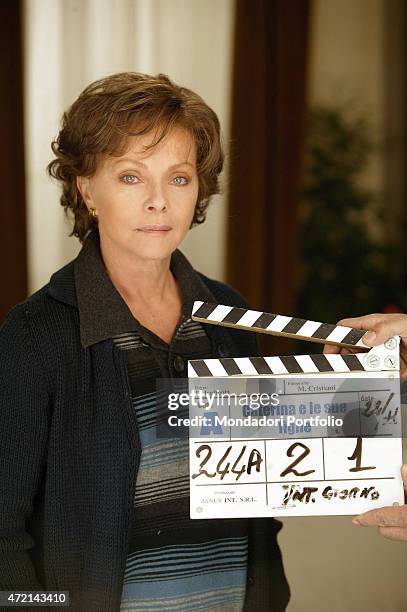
(193, 198)
(183, 202)
(188, 209)
(114, 202)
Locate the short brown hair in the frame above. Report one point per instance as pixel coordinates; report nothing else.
(100, 120)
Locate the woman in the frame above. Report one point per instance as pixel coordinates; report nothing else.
(94, 499)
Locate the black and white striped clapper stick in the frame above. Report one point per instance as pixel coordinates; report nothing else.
(291, 364)
(277, 325)
(291, 327)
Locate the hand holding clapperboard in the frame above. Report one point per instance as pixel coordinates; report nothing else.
(284, 475)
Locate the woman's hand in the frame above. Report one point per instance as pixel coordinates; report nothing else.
(391, 520)
(380, 327)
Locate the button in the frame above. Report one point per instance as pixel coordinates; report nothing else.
(222, 350)
(390, 362)
(391, 343)
(179, 363)
(372, 361)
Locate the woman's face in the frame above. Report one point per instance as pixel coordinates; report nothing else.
(145, 200)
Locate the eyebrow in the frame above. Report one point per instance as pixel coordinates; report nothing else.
(135, 161)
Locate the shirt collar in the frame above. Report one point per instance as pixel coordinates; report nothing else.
(103, 313)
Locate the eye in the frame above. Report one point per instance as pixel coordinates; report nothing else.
(130, 179)
(180, 180)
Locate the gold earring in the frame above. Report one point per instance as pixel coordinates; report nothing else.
(93, 213)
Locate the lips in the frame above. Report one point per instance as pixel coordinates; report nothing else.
(154, 228)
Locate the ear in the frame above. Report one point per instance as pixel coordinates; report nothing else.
(82, 183)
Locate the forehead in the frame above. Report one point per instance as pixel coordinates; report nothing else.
(178, 146)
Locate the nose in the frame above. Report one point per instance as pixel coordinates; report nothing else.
(157, 207)
(156, 201)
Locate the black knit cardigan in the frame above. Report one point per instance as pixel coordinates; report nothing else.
(69, 455)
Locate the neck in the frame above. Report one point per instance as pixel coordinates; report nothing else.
(138, 279)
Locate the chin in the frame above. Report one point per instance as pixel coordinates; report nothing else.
(156, 250)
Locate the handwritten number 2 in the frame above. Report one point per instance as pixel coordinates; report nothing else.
(290, 469)
(207, 448)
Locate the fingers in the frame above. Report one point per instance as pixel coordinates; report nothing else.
(389, 516)
(378, 330)
(391, 520)
(343, 350)
(366, 322)
(381, 327)
(331, 350)
(394, 533)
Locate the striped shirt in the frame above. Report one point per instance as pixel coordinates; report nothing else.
(174, 563)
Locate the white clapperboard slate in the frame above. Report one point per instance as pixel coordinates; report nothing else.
(294, 475)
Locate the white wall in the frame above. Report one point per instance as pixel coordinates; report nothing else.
(70, 43)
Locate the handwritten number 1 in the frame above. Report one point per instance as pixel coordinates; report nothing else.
(357, 455)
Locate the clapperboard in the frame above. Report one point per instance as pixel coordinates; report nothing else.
(325, 441)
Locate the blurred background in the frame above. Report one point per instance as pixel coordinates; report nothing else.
(312, 98)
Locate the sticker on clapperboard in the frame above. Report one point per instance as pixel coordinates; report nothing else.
(299, 435)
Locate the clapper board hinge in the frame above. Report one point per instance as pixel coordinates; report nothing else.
(380, 358)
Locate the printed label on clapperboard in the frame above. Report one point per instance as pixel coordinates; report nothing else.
(316, 445)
